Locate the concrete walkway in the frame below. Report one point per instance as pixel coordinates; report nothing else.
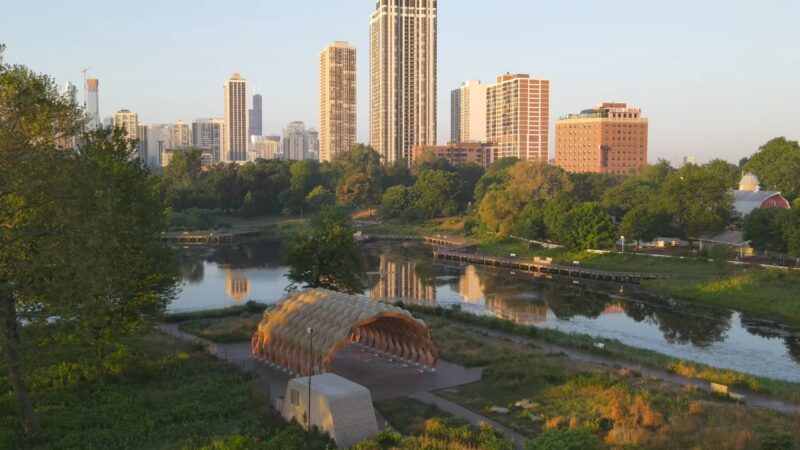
(751, 399)
(468, 415)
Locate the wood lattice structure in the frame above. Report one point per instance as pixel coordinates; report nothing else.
(337, 320)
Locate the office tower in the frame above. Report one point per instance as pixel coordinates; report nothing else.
(610, 138)
(142, 141)
(235, 129)
(181, 136)
(127, 120)
(337, 100)
(468, 112)
(93, 103)
(294, 141)
(402, 77)
(256, 117)
(207, 135)
(71, 92)
(312, 144)
(518, 117)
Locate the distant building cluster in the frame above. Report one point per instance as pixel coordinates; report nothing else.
(508, 118)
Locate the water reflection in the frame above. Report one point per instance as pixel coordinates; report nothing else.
(226, 276)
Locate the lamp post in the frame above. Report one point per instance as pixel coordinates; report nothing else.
(623, 243)
(310, 370)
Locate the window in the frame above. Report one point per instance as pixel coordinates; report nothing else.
(295, 397)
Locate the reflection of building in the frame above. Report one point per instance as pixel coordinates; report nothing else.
(470, 286)
(614, 308)
(236, 285)
(399, 282)
(519, 311)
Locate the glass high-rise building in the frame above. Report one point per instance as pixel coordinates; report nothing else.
(402, 77)
(337, 100)
(207, 135)
(256, 120)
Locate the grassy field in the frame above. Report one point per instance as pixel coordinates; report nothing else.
(223, 330)
(156, 393)
(781, 389)
(622, 408)
(408, 416)
(765, 292)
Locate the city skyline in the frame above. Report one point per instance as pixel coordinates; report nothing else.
(683, 70)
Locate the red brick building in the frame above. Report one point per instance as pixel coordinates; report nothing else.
(610, 138)
(455, 153)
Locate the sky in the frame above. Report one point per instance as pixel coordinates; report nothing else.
(716, 78)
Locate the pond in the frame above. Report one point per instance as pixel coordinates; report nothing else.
(220, 277)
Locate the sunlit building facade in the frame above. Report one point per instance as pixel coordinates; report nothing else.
(235, 130)
(518, 117)
(468, 112)
(337, 100)
(402, 77)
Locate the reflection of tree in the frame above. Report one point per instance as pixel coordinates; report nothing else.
(686, 323)
(771, 330)
(567, 302)
(192, 269)
(252, 255)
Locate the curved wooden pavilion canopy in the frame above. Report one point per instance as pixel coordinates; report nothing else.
(337, 320)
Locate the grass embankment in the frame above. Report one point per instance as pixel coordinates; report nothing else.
(224, 325)
(784, 390)
(408, 416)
(620, 407)
(764, 292)
(158, 393)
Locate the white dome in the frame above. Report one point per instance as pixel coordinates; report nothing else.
(749, 183)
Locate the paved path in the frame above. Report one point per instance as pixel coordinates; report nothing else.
(468, 415)
(751, 399)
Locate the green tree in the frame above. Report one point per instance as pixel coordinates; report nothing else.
(644, 223)
(76, 229)
(437, 194)
(728, 173)
(699, 202)
(791, 230)
(398, 202)
(765, 229)
(318, 198)
(590, 187)
(555, 216)
(530, 224)
(358, 190)
(588, 226)
(305, 176)
(326, 255)
(496, 174)
(565, 439)
(398, 173)
(777, 164)
(361, 159)
(226, 187)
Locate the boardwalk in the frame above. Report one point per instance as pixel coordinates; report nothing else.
(213, 238)
(454, 250)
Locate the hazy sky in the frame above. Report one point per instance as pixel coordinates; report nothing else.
(716, 78)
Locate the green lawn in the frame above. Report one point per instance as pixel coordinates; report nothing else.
(157, 394)
(408, 416)
(765, 292)
(223, 330)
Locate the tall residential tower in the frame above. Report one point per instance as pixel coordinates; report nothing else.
(235, 127)
(402, 77)
(518, 117)
(337, 100)
(468, 112)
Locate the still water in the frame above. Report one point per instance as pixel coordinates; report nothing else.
(220, 277)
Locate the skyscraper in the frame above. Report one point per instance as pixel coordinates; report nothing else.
(181, 136)
(295, 142)
(129, 121)
(610, 138)
(518, 117)
(93, 103)
(468, 112)
(207, 135)
(143, 140)
(337, 100)
(255, 117)
(159, 140)
(402, 77)
(312, 144)
(71, 91)
(235, 129)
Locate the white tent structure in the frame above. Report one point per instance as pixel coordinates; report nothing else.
(339, 407)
